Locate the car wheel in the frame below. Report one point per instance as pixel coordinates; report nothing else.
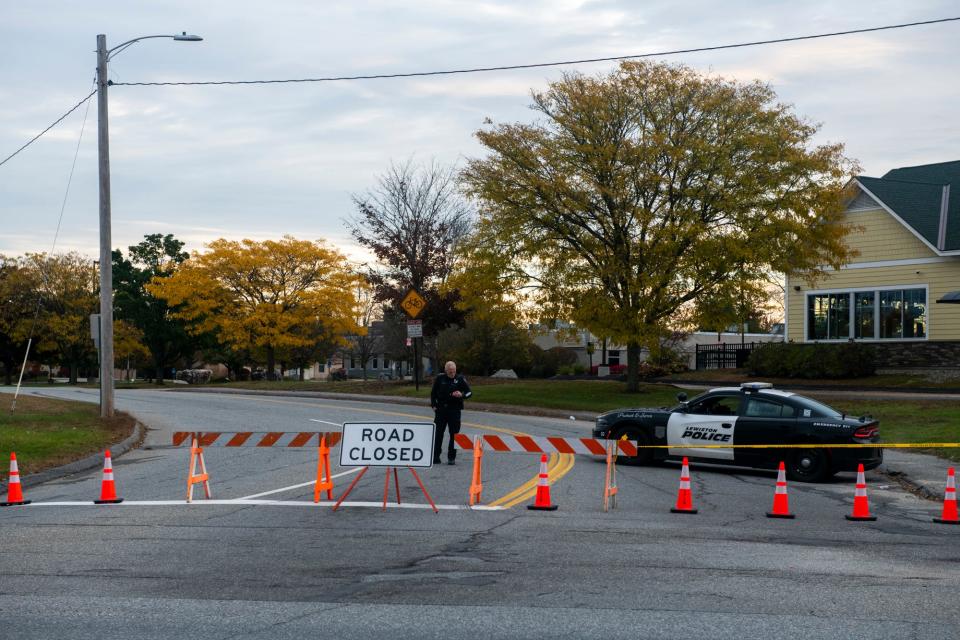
(809, 465)
(644, 456)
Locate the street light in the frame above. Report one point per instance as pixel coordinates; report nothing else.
(104, 55)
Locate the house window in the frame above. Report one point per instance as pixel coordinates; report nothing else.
(386, 363)
(376, 361)
(864, 304)
(828, 316)
(353, 363)
(613, 357)
(903, 313)
(891, 314)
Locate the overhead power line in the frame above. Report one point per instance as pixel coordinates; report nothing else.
(513, 67)
(55, 123)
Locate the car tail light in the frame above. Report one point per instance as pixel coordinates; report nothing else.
(867, 431)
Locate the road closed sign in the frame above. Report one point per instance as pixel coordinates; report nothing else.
(387, 444)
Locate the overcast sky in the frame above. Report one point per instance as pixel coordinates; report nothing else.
(263, 161)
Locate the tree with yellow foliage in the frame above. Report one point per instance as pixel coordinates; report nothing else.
(644, 190)
(263, 295)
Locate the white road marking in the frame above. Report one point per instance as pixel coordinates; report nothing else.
(269, 503)
(336, 424)
(297, 486)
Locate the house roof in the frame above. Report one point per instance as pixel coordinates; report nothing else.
(915, 193)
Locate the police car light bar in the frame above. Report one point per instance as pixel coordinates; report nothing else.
(753, 386)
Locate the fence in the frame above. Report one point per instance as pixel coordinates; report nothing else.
(723, 355)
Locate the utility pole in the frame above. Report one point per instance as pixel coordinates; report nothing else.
(106, 259)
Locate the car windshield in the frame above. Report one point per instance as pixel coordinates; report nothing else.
(817, 409)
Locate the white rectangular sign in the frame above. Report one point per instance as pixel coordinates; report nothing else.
(414, 329)
(387, 444)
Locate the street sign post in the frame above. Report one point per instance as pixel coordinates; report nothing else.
(413, 305)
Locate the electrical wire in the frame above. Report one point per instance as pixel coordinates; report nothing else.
(55, 123)
(53, 246)
(419, 74)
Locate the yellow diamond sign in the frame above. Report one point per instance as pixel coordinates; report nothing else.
(413, 303)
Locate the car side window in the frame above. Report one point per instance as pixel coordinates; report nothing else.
(717, 406)
(757, 408)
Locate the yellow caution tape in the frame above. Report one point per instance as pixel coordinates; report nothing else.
(809, 445)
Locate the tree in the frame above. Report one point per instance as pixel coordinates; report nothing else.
(262, 295)
(67, 285)
(412, 221)
(18, 305)
(366, 343)
(163, 334)
(643, 190)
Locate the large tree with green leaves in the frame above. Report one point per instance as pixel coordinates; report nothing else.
(164, 334)
(641, 191)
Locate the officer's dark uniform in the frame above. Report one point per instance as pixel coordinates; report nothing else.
(447, 410)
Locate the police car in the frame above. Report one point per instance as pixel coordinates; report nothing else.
(754, 413)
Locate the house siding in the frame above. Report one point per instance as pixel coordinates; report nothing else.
(943, 320)
(882, 237)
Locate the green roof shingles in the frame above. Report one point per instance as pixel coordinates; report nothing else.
(914, 194)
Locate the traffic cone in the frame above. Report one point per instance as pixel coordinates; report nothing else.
(949, 501)
(684, 495)
(14, 490)
(542, 503)
(108, 492)
(781, 506)
(861, 507)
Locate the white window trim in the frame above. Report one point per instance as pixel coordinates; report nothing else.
(876, 312)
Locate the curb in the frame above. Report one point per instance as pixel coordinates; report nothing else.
(507, 409)
(914, 487)
(85, 464)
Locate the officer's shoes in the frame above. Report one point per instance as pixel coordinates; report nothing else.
(451, 461)
(437, 461)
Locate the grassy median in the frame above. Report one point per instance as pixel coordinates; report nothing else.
(47, 433)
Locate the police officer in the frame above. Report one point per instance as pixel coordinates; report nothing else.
(446, 397)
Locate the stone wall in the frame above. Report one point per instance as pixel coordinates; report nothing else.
(942, 354)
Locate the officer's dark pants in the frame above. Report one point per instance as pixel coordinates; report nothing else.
(446, 417)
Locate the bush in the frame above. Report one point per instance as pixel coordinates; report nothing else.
(549, 363)
(195, 376)
(579, 369)
(337, 375)
(813, 361)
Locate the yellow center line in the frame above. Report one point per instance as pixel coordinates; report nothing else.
(557, 467)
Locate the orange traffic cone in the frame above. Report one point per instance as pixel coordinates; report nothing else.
(108, 492)
(949, 501)
(14, 490)
(684, 495)
(861, 507)
(781, 506)
(542, 503)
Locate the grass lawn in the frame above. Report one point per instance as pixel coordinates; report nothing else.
(47, 433)
(574, 395)
(911, 421)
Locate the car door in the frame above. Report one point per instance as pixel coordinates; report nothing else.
(709, 421)
(763, 421)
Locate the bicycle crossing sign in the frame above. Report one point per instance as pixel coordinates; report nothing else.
(413, 303)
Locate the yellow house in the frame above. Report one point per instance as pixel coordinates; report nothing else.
(897, 293)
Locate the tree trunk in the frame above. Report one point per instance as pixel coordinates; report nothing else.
(301, 366)
(73, 372)
(8, 372)
(271, 363)
(633, 367)
(157, 370)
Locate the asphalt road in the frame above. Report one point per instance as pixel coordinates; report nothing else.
(289, 569)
